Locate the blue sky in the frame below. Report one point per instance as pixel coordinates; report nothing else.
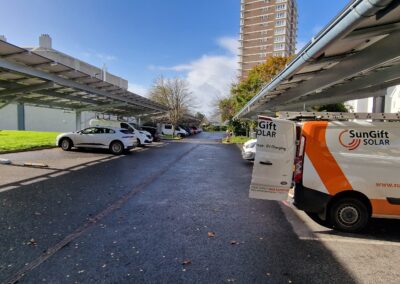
(142, 39)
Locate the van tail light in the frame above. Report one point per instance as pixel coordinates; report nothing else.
(298, 169)
(298, 161)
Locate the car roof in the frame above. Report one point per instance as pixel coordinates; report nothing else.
(109, 127)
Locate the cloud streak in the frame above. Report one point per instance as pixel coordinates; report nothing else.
(210, 76)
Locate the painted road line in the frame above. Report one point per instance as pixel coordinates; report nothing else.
(85, 227)
(35, 165)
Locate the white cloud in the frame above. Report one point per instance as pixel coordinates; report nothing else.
(177, 68)
(229, 43)
(98, 55)
(138, 89)
(105, 57)
(210, 76)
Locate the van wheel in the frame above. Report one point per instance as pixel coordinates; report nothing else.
(317, 219)
(180, 135)
(349, 215)
(138, 142)
(66, 144)
(116, 148)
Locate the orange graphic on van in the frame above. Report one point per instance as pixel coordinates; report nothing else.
(347, 143)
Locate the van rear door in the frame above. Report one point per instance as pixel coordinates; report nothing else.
(273, 164)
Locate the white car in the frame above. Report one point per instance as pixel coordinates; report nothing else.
(249, 150)
(168, 129)
(117, 140)
(142, 137)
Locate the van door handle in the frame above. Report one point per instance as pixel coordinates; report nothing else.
(267, 163)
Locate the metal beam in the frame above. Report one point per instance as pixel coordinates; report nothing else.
(381, 80)
(69, 83)
(27, 89)
(348, 67)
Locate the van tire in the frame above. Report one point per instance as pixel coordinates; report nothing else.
(349, 214)
(66, 144)
(317, 219)
(116, 147)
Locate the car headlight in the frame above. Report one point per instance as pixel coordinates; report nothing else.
(251, 145)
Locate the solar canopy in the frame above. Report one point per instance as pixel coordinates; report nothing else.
(356, 56)
(27, 77)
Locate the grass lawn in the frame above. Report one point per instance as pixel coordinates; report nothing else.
(13, 140)
(237, 139)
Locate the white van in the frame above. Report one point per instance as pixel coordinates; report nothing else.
(343, 172)
(142, 137)
(167, 129)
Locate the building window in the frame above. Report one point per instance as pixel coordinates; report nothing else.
(279, 46)
(280, 31)
(280, 7)
(280, 23)
(281, 15)
(281, 53)
(279, 39)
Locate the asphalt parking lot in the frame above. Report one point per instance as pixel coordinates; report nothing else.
(174, 212)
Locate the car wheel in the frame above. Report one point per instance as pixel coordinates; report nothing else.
(66, 144)
(317, 219)
(116, 148)
(349, 215)
(180, 135)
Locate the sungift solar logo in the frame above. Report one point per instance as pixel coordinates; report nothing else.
(351, 139)
(266, 127)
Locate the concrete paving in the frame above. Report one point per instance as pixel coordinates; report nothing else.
(175, 213)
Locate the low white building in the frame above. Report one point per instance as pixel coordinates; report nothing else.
(391, 102)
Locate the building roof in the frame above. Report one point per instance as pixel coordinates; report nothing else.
(355, 56)
(27, 77)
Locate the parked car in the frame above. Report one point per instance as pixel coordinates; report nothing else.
(153, 131)
(167, 129)
(249, 150)
(142, 137)
(194, 129)
(117, 140)
(187, 129)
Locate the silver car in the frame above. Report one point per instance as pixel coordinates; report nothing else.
(249, 150)
(117, 140)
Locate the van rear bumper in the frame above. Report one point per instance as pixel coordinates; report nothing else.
(310, 200)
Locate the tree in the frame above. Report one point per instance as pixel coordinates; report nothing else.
(339, 107)
(174, 94)
(245, 90)
(227, 108)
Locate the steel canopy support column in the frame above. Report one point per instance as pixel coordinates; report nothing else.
(379, 103)
(21, 116)
(78, 120)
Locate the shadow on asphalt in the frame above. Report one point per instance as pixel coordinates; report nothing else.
(378, 229)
